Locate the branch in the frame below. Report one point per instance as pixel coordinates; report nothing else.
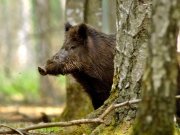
(98, 120)
(114, 106)
(178, 97)
(12, 129)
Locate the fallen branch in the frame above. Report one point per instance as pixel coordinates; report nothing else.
(12, 129)
(178, 97)
(99, 120)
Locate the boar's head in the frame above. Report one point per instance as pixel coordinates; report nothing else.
(71, 56)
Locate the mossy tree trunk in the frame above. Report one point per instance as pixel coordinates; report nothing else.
(133, 30)
(159, 82)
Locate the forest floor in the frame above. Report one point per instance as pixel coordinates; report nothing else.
(23, 115)
(28, 113)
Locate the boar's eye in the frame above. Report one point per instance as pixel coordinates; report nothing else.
(73, 47)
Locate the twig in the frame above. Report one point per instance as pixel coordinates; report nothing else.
(12, 129)
(55, 124)
(114, 106)
(178, 97)
(99, 120)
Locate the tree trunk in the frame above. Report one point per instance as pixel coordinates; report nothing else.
(133, 23)
(109, 16)
(133, 28)
(159, 81)
(78, 103)
(11, 29)
(42, 27)
(93, 13)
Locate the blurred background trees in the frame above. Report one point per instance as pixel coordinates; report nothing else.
(43, 26)
(32, 31)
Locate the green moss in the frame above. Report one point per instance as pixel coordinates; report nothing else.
(112, 129)
(177, 129)
(81, 105)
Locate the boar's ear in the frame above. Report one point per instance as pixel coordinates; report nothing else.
(82, 31)
(67, 26)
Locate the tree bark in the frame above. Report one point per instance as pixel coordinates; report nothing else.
(133, 30)
(159, 81)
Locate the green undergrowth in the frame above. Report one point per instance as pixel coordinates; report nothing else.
(177, 129)
(21, 87)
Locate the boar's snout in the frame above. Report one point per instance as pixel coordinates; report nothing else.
(42, 71)
(55, 65)
(60, 56)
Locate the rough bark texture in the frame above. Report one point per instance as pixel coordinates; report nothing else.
(159, 81)
(78, 103)
(133, 23)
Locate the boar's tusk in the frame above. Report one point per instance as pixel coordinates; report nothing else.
(42, 70)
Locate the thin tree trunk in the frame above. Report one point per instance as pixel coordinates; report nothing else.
(93, 13)
(10, 32)
(42, 26)
(109, 16)
(159, 81)
(78, 103)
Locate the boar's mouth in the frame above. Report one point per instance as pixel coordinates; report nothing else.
(53, 68)
(42, 71)
(50, 70)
